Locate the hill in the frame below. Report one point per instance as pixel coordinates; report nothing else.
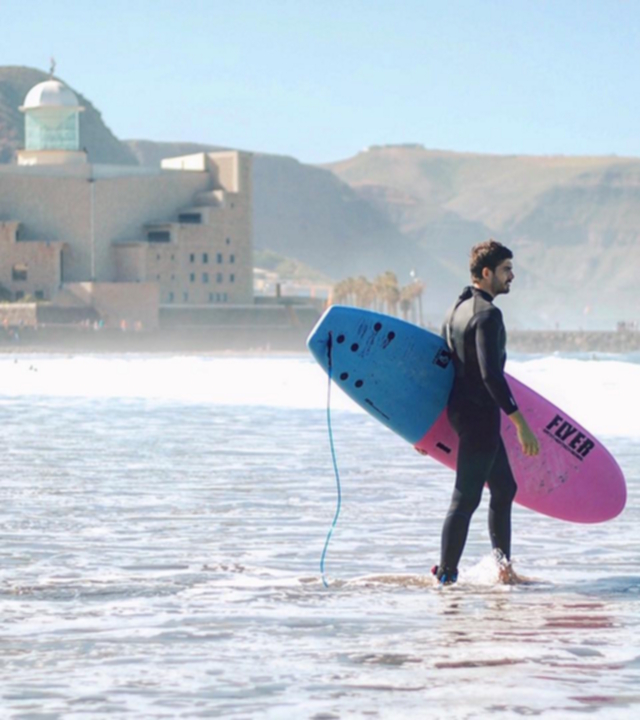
(101, 144)
(573, 222)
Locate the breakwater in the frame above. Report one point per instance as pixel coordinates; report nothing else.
(280, 337)
(576, 341)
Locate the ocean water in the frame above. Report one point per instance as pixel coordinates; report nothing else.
(161, 525)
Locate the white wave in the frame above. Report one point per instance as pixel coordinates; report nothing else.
(293, 382)
(602, 395)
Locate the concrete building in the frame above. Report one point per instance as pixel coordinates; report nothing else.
(124, 240)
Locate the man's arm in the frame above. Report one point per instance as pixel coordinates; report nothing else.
(489, 352)
(528, 441)
(490, 361)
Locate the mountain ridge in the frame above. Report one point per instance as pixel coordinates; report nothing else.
(571, 221)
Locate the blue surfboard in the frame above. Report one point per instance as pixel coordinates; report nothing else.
(385, 365)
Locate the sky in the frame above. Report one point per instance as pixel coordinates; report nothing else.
(321, 80)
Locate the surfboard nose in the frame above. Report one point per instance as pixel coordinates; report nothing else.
(393, 369)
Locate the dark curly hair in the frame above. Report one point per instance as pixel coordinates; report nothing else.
(488, 254)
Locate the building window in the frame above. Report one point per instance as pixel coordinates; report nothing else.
(158, 278)
(205, 258)
(219, 278)
(190, 218)
(192, 257)
(19, 295)
(185, 296)
(173, 277)
(173, 257)
(228, 241)
(232, 278)
(219, 258)
(211, 296)
(232, 258)
(19, 272)
(224, 297)
(39, 294)
(171, 296)
(205, 277)
(159, 236)
(158, 256)
(192, 277)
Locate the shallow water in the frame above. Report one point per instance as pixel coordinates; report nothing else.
(161, 526)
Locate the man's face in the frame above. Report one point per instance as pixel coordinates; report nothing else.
(500, 279)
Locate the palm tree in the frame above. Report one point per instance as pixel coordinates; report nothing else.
(410, 296)
(387, 292)
(365, 292)
(406, 300)
(344, 292)
(419, 292)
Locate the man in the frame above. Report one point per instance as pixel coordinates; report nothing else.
(475, 333)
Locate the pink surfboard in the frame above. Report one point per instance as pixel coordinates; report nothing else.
(573, 478)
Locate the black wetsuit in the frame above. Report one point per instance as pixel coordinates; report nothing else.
(475, 333)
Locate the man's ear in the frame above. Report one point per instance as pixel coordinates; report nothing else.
(486, 273)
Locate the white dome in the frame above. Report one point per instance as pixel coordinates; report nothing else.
(50, 93)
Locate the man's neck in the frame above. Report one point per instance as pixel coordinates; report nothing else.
(479, 286)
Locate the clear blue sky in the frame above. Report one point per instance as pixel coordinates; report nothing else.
(320, 80)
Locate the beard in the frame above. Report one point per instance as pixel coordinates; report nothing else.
(500, 288)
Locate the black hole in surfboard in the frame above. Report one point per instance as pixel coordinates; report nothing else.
(377, 327)
(391, 335)
(359, 383)
(340, 339)
(355, 347)
(344, 376)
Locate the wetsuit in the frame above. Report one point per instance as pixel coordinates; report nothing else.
(475, 333)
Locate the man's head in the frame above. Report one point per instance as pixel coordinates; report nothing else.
(491, 267)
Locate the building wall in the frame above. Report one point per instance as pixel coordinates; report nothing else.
(235, 169)
(123, 206)
(104, 219)
(131, 262)
(55, 208)
(207, 263)
(202, 265)
(129, 306)
(41, 260)
(60, 208)
(51, 157)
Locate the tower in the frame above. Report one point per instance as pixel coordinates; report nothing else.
(52, 126)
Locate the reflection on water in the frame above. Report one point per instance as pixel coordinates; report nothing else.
(159, 558)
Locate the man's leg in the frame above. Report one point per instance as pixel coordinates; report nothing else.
(503, 490)
(476, 456)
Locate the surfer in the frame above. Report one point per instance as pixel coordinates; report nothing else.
(475, 333)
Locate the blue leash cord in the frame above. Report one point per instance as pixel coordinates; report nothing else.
(335, 464)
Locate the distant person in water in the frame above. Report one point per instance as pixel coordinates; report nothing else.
(475, 333)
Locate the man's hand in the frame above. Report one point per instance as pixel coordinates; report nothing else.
(420, 450)
(528, 441)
